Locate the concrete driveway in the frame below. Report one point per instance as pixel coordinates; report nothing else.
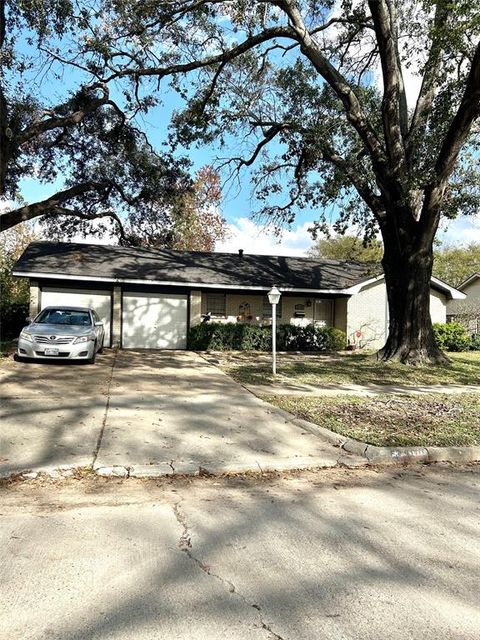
(149, 412)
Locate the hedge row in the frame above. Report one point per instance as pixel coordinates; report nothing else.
(453, 336)
(215, 336)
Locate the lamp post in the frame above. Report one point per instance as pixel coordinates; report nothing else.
(274, 298)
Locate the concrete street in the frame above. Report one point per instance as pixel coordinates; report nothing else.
(169, 411)
(335, 554)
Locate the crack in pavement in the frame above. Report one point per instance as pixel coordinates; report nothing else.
(107, 407)
(185, 545)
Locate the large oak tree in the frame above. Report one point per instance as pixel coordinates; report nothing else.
(326, 82)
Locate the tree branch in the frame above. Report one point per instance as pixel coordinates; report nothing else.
(5, 145)
(394, 103)
(467, 112)
(71, 120)
(354, 112)
(30, 211)
(225, 56)
(362, 187)
(56, 211)
(428, 88)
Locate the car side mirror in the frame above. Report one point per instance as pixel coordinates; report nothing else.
(99, 324)
(29, 320)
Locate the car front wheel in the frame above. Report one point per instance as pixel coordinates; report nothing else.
(92, 359)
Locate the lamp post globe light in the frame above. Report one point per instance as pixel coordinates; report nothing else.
(274, 298)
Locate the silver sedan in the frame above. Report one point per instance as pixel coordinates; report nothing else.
(73, 333)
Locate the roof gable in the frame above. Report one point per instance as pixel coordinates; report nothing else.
(468, 281)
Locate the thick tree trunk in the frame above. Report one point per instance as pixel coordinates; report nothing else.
(407, 265)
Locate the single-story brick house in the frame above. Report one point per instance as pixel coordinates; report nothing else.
(467, 311)
(148, 298)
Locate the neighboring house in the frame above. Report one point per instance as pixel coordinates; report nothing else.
(149, 298)
(467, 311)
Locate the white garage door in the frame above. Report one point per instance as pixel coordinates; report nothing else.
(101, 301)
(154, 321)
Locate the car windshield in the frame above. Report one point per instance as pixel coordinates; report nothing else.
(64, 316)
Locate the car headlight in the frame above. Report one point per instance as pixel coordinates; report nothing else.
(83, 339)
(24, 335)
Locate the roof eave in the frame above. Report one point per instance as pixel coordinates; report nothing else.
(453, 293)
(176, 283)
(466, 282)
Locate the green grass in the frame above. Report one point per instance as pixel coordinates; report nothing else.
(356, 368)
(432, 420)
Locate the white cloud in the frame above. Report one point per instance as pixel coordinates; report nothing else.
(258, 239)
(462, 230)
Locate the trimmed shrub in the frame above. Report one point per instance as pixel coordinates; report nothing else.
(310, 338)
(475, 343)
(452, 336)
(215, 336)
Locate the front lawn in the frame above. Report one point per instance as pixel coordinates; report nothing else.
(432, 420)
(344, 368)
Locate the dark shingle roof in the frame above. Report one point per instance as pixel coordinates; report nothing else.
(127, 263)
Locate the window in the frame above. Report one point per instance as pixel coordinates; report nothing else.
(216, 304)
(267, 308)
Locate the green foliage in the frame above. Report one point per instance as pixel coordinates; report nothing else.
(15, 292)
(451, 264)
(456, 264)
(348, 248)
(215, 336)
(13, 318)
(75, 137)
(452, 336)
(475, 342)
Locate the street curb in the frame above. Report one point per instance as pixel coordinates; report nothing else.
(358, 454)
(374, 455)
